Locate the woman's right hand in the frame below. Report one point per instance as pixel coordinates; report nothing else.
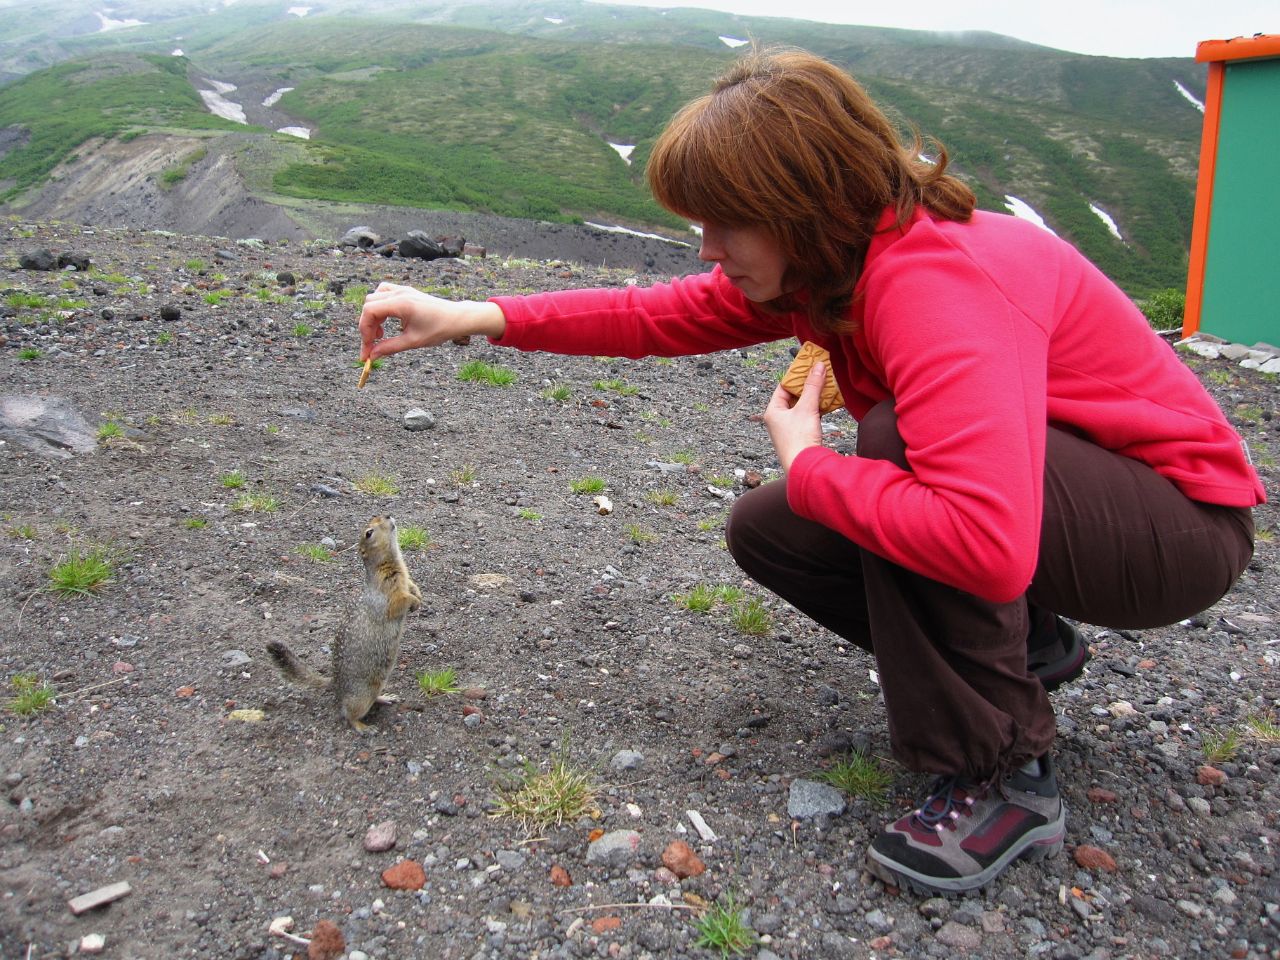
(425, 321)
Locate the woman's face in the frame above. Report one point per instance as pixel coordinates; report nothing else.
(749, 257)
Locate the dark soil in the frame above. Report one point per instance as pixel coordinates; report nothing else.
(562, 623)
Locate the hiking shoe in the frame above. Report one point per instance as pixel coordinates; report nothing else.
(964, 834)
(1060, 659)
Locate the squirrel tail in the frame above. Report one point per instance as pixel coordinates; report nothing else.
(294, 669)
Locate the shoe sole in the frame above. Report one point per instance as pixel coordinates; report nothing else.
(1071, 666)
(1042, 843)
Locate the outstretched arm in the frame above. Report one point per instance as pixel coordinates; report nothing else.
(425, 321)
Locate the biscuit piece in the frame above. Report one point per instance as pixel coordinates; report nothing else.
(364, 373)
(793, 380)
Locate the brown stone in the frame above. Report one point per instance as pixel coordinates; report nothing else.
(680, 859)
(1101, 795)
(1094, 858)
(605, 924)
(560, 877)
(327, 942)
(405, 875)
(1208, 776)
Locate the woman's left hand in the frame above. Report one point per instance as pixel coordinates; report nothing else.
(795, 424)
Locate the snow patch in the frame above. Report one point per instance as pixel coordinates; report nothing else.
(1106, 218)
(1023, 211)
(635, 233)
(220, 88)
(221, 107)
(108, 24)
(302, 133)
(298, 11)
(178, 53)
(1189, 96)
(733, 42)
(556, 20)
(272, 100)
(624, 151)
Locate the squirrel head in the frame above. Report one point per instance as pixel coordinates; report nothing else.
(378, 536)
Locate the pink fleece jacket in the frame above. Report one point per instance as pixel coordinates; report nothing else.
(982, 333)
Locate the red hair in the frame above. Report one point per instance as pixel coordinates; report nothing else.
(788, 142)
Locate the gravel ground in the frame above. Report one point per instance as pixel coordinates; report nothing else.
(567, 636)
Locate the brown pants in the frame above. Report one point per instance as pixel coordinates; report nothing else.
(1120, 546)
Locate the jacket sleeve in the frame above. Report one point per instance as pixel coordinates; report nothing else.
(967, 372)
(696, 314)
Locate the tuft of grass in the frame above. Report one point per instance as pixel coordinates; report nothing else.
(315, 551)
(82, 572)
(860, 776)
(700, 599)
(549, 798)
(378, 485)
(195, 266)
(20, 299)
(437, 683)
(531, 515)
(413, 538)
(465, 475)
(30, 694)
(215, 297)
(618, 386)
(23, 531)
(256, 503)
(752, 618)
(661, 498)
(302, 330)
(684, 456)
(639, 535)
(723, 929)
(376, 365)
(721, 481)
(1263, 727)
(221, 419)
(232, 480)
(728, 594)
(587, 484)
(29, 353)
(164, 338)
(479, 371)
(557, 392)
(110, 431)
(195, 523)
(1221, 747)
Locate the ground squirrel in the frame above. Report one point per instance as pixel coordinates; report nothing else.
(369, 638)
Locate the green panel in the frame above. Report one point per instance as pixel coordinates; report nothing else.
(1242, 263)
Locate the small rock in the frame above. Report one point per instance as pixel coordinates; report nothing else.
(234, 658)
(1200, 807)
(170, 312)
(381, 837)
(605, 924)
(1208, 776)
(92, 943)
(626, 760)
(680, 859)
(959, 937)
(615, 848)
(809, 799)
(42, 260)
(418, 419)
(327, 941)
(1101, 795)
(247, 715)
(405, 875)
(560, 877)
(1094, 858)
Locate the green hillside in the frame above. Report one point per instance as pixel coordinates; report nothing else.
(494, 107)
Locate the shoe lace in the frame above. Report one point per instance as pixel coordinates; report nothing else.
(949, 799)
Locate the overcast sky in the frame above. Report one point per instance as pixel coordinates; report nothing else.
(1113, 28)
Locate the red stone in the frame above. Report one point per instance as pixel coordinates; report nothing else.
(1094, 858)
(327, 942)
(1208, 776)
(605, 924)
(1101, 795)
(186, 691)
(560, 877)
(405, 875)
(680, 859)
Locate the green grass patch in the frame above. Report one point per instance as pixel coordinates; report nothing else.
(82, 573)
(481, 372)
(752, 617)
(255, 503)
(1221, 747)
(302, 330)
(860, 776)
(437, 683)
(465, 475)
(413, 538)
(29, 353)
(558, 392)
(378, 485)
(232, 480)
(548, 798)
(618, 386)
(195, 523)
(30, 694)
(110, 431)
(662, 498)
(317, 552)
(723, 929)
(587, 484)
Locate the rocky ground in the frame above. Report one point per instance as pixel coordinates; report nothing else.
(215, 454)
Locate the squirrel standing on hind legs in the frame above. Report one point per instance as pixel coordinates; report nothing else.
(368, 640)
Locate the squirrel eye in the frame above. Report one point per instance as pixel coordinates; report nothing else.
(368, 533)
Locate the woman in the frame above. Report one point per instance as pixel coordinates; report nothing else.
(1027, 447)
